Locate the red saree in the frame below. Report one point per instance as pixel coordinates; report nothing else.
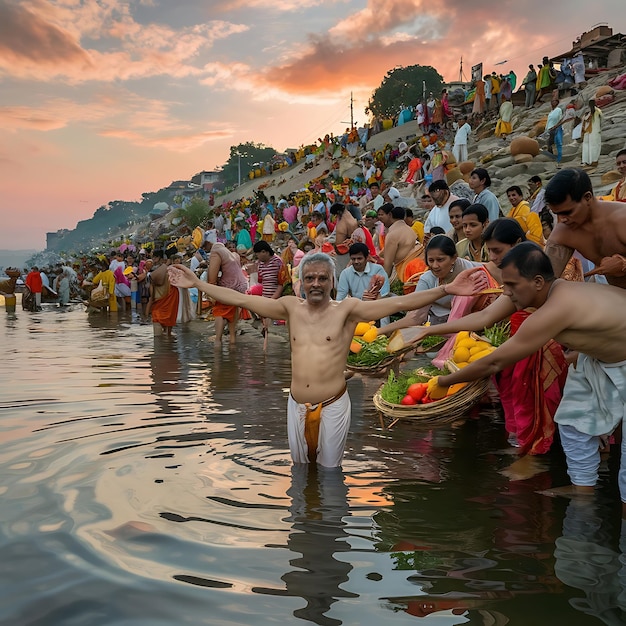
(531, 391)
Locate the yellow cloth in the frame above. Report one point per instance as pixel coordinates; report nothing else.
(108, 280)
(503, 128)
(418, 228)
(529, 221)
(312, 421)
(543, 78)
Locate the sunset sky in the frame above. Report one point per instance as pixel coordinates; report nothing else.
(103, 99)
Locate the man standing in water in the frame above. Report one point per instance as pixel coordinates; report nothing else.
(320, 332)
(594, 398)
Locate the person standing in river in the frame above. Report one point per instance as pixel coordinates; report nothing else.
(320, 332)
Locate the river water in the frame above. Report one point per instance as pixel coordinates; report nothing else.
(147, 481)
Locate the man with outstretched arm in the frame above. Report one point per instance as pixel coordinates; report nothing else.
(320, 332)
(585, 317)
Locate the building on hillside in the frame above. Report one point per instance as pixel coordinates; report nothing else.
(601, 49)
(210, 181)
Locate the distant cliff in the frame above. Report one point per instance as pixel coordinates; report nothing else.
(108, 222)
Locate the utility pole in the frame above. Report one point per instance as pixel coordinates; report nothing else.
(351, 111)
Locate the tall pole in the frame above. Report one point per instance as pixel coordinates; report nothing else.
(239, 169)
(351, 112)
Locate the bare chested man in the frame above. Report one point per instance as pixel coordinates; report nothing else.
(401, 245)
(585, 317)
(595, 228)
(320, 332)
(346, 224)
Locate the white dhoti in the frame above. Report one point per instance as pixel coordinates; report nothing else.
(592, 146)
(319, 432)
(593, 404)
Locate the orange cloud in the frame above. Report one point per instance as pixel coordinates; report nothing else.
(361, 65)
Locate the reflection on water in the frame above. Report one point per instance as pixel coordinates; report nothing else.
(148, 481)
(586, 560)
(318, 505)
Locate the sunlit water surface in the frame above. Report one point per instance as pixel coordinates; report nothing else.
(148, 481)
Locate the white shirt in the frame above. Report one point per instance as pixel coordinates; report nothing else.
(369, 172)
(462, 135)
(114, 264)
(218, 223)
(439, 216)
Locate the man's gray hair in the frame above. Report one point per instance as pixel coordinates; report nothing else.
(317, 257)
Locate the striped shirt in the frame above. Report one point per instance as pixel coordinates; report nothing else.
(268, 275)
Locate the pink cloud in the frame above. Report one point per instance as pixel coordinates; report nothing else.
(42, 42)
(182, 142)
(26, 39)
(282, 6)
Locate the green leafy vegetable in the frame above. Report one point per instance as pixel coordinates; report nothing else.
(396, 386)
(498, 333)
(397, 287)
(433, 340)
(371, 353)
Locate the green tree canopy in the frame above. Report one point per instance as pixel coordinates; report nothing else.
(246, 154)
(196, 211)
(403, 86)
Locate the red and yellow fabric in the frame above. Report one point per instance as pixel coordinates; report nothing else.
(531, 391)
(618, 193)
(409, 265)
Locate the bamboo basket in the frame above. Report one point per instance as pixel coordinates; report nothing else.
(419, 349)
(381, 366)
(442, 411)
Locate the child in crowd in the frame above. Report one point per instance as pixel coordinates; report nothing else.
(475, 219)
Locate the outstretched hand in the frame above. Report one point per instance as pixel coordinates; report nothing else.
(610, 266)
(181, 276)
(469, 282)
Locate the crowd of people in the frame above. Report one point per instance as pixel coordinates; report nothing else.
(531, 386)
(348, 250)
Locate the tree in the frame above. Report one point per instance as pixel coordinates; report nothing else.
(246, 156)
(196, 211)
(403, 86)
